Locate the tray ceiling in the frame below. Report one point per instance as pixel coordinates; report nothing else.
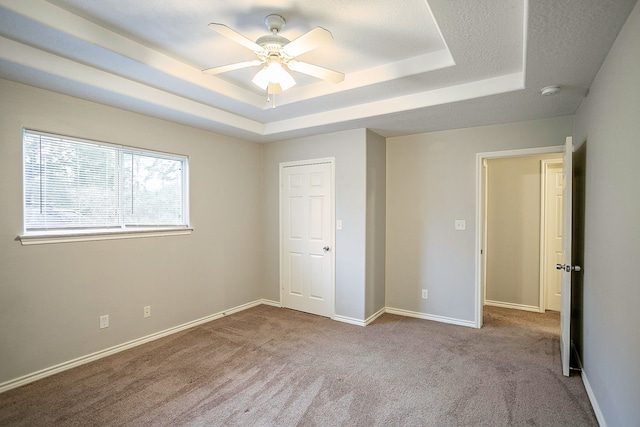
(411, 65)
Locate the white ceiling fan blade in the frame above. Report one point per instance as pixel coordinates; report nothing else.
(236, 37)
(306, 42)
(315, 71)
(231, 67)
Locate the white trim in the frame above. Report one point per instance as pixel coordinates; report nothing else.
(542, 291)
(587, 387)
(544, 167)
(271, 303)
(44, 239)
(479, 216)
(349, 320)
(433, 317)
(358, 322)
(593, 400)
(332, 252)
(375, 315)
(43, 373)
(485, 209)
(523, 307)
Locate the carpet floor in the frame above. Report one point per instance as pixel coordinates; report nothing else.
(269, 366)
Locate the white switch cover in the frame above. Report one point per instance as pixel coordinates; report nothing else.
(339, 224)
(104, 321)
(461, 224)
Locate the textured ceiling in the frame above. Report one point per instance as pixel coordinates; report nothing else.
(411, 65)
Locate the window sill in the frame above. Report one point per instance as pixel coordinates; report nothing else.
(47, 238)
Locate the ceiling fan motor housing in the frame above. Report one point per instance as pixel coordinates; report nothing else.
(274, 23)
(272, 43)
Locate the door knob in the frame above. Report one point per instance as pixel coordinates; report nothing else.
(326, 249)
(568, 268)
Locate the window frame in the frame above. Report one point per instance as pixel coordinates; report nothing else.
(67, 235)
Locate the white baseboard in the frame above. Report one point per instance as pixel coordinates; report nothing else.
(358, 322)
(375, 315)
(433, 317)
(592, 399)
(43, 373)
(587, 387)
(271, 303)
(349, 320)
(513, 306)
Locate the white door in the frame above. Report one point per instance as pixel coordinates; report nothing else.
(565, 312)
(553, 235)
(306, 230)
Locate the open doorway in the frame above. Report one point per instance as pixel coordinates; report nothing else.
(523, 232)
(510, 240)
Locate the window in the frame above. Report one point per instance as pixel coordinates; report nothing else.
(78, 186)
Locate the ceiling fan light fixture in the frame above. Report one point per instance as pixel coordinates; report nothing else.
(286, 80)
(261, 79)
(277, 55)
(274, 73)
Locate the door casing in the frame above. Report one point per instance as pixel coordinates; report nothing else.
(480, 215)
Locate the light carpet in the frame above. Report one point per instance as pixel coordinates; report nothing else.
(269, 366)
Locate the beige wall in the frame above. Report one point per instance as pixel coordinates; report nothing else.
(349, 150)
(431, 182)
(513, 230)
(51, 296)
(609, 119)
(376, 223)
(360, 205)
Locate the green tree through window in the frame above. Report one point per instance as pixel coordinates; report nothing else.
(73, 184)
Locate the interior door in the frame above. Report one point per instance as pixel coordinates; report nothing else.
(306, 211)
(566, 267)
(553, 235)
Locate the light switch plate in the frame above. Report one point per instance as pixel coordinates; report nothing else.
(461, 224)
(339, 224)
(104, 321)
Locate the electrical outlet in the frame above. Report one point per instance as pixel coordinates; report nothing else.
(147, 311)
(460, 225)
(425, 294)
(104, 321)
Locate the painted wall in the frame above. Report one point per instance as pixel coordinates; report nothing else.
(376, 223)
(513, 230)
(431, 182)
(51, 296)
(349, 150)
(608, 120)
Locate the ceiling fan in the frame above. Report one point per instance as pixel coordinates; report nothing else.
(277, 54)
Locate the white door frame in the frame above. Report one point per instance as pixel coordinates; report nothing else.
(480, 216)
(332, 252)
(543, 229)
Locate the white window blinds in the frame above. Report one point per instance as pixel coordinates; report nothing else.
(71, 184)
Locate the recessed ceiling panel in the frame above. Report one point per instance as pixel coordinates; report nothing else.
(406, 62)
